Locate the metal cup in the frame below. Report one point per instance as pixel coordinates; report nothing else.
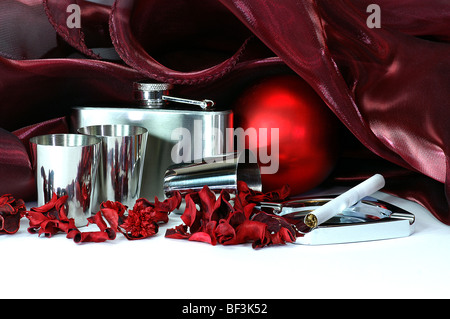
(122, 162)
(66, 164)
(219, 173)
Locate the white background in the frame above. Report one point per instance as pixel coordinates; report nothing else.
(412, 267)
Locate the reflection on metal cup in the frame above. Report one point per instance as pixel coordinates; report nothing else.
(122, 162)
(220, 172)
(66, 164)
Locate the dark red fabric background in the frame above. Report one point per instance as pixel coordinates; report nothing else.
(390, 87)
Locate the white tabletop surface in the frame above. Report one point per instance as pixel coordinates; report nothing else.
(411, 267)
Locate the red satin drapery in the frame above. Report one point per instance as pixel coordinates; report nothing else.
(389, 86)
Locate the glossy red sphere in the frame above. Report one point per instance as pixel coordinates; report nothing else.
(308, 134)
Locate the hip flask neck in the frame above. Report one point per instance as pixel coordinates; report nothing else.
(156, 95)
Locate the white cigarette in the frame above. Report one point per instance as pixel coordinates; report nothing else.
(345, 200)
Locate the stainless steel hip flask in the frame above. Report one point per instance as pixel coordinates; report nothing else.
(175, 134)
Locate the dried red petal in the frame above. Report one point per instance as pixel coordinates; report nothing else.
(48, 228)
(207, 201)
(48, 225)
(222, 207)
(118, 207)
(280, 231)
(225, 232)
(91, 237)
(35, 221)
(5, 206)
(236, 218)
(282, 236)
(248, 195)
(11, 211)
(9, 223)
(50, 218)
(47, 206)
(191, 216)
(113, 212)
(249, 210)
(179, 232)
(169, 204)
(202, 237)
(252, 231)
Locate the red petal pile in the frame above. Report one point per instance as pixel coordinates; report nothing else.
(212, 220)
(141, 222)
(11, 211)
(206, 218)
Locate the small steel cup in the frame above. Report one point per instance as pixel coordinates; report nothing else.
(66, 164)
(219, 173)
(122, 162)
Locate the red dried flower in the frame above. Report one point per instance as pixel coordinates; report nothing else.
(142, 221)
(11, 211)
(139, 223)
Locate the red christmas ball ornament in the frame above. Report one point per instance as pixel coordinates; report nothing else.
(308, 138)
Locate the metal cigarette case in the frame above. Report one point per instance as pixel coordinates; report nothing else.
(369, 219)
